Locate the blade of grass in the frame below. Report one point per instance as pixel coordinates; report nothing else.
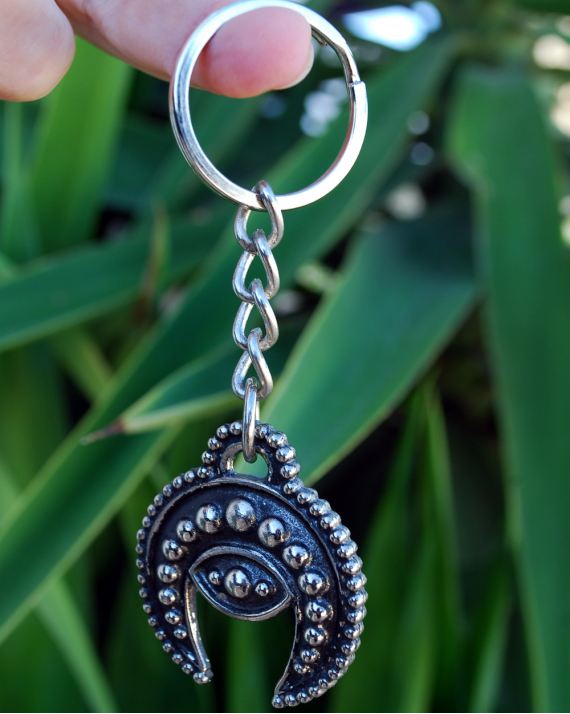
(201, 323)
(83, 360)
(522, 260)
(82, 114)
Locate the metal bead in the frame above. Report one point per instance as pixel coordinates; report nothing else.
(208, 457)
(189, 476)
(330, 520)
(160, 634)
(357, 582)
(300, 667)
(315, 636)
(205, 472)
(214, 577)
(147, 607)
(276, 439)
(186, 531)
(201, 678)
(141, 578)
(187, 668)
(209, 518)
(237, 583)
(177, 658)
(285, 453)
(262, 430)
(151, 510)
(358, 599)
(272, 532)
(341, 662)
(240, 515)
(172, 550)
(139, 549)
(297, 556)
(214, 444)
(290, 470)
(143, 592)
(356, 616)
(167, 490)
(313, 583)
(339, 535)
(278, 702)
(167, 646)
(306, 495)
(236, 427)
(223, 432)
(334, 674)
(303, 697)
(319, 507)
(140, 564)
(292, 486)
(178, 482)
(347, 550)
(158, 500)
(168, 573)
(181, 632)
(354, 631)
(168, 596)
(141, 534)
(291, 700)
(173, 617)
(153, 621)
(263, 589)
(349, 648)
(318, 610)
(352, 566)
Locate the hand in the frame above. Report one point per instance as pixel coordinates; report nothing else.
(257, 52)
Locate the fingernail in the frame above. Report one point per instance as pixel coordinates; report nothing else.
(305, 71)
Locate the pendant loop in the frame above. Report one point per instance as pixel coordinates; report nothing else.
(186, 137)
(250, 415)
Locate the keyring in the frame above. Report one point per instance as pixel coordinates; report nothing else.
(324, 32)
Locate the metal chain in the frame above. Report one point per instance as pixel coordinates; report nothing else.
(252, 390)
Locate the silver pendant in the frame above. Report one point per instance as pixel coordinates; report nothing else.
(253, 547)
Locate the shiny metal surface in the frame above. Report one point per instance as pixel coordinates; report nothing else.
(250, 405)
(188, 142)
(256, 548)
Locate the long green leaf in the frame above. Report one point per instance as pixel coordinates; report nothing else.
(78, 285)
(201, 323)
(83, 115)
(404, 292)
(528, 316)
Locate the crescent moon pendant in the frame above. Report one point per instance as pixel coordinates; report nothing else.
(253, 547)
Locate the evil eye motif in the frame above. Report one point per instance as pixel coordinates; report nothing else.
(253, 547)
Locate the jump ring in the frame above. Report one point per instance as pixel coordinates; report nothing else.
(250, 413)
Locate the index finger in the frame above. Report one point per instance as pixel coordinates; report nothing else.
(266, 49)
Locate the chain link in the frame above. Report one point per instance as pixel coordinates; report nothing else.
(253, 390)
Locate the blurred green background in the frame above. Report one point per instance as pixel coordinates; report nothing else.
(424, 365)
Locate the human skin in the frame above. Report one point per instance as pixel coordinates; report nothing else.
(263, 50)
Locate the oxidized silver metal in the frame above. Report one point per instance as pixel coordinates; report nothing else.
(193, 152)
(253, 547)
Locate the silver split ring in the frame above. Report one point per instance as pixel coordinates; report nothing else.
(186, 137)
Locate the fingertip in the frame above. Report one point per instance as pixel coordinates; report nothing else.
(38, 46)
(257, 52)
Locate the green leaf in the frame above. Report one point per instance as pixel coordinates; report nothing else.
(61, 617)
(546, 5)
(404, 292)
(66, 290)
(80, 355)
(77, 134)
(525, 267)
(201, 323)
